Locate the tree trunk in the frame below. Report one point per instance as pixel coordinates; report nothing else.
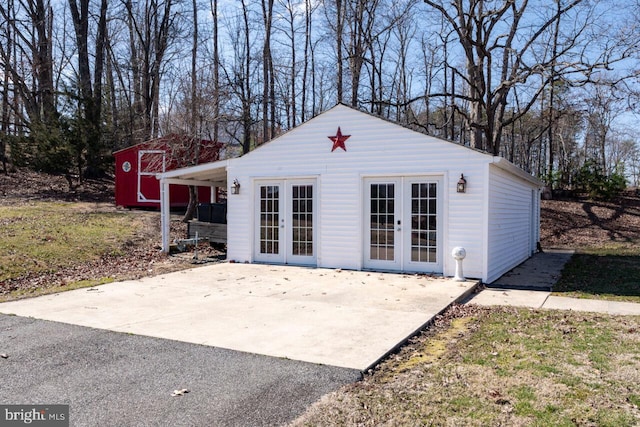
(195, 137)
(267, 72)
(305, 66)
(191, 208)
(216, 72)
(339, 31)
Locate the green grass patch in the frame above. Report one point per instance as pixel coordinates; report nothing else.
(611, 273)
(44, 237)
(510, 367)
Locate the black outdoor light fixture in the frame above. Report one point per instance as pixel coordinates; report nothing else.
(462, 184)
(235, 188)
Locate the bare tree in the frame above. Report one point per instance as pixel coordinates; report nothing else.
(90, 100)
(335, 16)
(289, 33)
(32, 38)
(603, 105)
(6, 86)
(216, 71)
(307, 56)
(504, 44)
(151, 29)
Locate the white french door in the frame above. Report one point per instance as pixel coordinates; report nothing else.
(403, 225)
(383, 223)
(286, 221)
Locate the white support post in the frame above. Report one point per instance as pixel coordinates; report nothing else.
(165, 214)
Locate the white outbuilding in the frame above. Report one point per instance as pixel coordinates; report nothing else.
(350, 190)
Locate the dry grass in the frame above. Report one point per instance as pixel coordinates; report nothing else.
(52, 246)
(506, 366)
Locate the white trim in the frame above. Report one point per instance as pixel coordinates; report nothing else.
(485, 221)
(194, 182)
(444, 222)
(165, 215)
(140, 196)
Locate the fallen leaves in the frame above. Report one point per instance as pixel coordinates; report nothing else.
(580, 223)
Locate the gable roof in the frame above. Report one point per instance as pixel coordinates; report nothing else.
(216, 169)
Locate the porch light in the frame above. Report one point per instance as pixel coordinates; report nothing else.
(462, 184)
(235, 188)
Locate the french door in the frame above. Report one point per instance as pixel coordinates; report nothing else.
(403, 226)
(286, 221)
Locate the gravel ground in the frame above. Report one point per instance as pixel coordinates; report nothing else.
(109, 378)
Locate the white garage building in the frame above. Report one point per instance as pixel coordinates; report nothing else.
(350, 190)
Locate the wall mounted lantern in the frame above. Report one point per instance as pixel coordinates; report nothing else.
(235, 187)
(462, 184)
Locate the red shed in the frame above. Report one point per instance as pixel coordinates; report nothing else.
(137, 166)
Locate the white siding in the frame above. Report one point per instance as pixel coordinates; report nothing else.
(240, 220)
(464, 219)
(340, 217)
(509, 222)
(375, 148)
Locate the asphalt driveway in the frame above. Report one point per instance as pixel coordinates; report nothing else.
(116, 379)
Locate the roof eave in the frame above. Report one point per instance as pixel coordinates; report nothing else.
(506, 165)
(194, 171)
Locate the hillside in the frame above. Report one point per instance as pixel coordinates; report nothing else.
(583, 223)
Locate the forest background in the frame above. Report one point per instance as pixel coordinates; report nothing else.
(551, 85)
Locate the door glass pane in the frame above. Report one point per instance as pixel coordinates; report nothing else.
(269, 219)
(423, 222)
(382, 222)
(302, 220)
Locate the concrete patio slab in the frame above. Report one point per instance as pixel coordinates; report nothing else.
(510, 297)
(594, 306)
(340, 318)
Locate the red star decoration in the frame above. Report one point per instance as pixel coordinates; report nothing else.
(338, 140)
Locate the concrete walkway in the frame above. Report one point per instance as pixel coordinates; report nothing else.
(530, 285)
(540, 272)
(348, 319)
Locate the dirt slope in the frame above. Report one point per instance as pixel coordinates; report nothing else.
(582, 223)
